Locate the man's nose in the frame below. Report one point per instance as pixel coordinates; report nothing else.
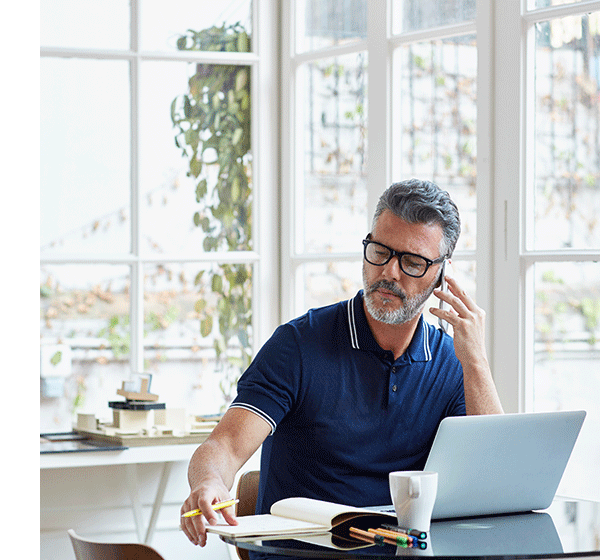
(392, 268)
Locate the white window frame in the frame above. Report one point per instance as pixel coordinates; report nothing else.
(265, 169)
(379, 45)
(514, 260)
(504, 112)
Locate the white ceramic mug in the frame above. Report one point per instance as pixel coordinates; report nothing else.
(413, 495)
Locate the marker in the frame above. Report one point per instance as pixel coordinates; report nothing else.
(215, 507)
(399, 538)
(412, 532)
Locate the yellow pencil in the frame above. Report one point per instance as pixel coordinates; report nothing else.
(215, 507)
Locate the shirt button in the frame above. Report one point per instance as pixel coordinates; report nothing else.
(394, 388)
(394, 369)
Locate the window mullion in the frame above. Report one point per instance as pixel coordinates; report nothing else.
(507, 168)
(485, 167)
(378, 102)
(137, 273)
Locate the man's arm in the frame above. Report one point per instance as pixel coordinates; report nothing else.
(468, 322)
(213, 467)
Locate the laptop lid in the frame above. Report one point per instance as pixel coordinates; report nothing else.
(501, 463)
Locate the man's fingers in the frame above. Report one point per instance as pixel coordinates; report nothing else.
(229, 515)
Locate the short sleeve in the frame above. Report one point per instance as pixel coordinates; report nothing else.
(269, 387)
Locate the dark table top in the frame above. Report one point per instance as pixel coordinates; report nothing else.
(567, 529)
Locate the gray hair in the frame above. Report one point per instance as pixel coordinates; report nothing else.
(422, 202)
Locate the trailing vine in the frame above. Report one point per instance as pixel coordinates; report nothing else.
(212, 123)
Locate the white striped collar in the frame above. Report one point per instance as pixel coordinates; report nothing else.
(419, 349)
(352, 324)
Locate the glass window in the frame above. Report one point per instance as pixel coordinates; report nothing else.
(567, 144)
(146, 157)
(85, 157)
(326, 23)
(85, 24)
(85, 338)
(164, 29)
(195, 195)
(327, 282)
(198, 324)
(567, 350)
(333, 93)
(414, 15)
(435, 121)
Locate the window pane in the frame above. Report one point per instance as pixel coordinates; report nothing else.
(84, 156)
(85, 337)
(211, 127)
(198, 325)
(334, 118)
(327, 23)
(85, 24)
(162, 27)
(413, 15)
(567, 354)
(435, 116)
(326, 283)
(567, 143)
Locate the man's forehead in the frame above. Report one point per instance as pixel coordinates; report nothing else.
(421, 238)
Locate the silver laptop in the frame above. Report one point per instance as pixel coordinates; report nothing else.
(501, 463)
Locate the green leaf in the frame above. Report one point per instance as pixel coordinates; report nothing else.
(187, 106)
(56, 358)
(195, 167)
(241, 79)
(197, 219)
(217, 284)
(201, 188)
(235, 189)
(242, 42)
(206, 326)
(173, 107)
(237, 136)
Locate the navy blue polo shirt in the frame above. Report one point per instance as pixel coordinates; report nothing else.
(343, 413)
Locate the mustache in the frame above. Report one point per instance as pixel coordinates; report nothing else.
(389, 286)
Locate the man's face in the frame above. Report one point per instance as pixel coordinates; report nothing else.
(391, 296)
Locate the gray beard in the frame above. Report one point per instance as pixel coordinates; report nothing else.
(411, 306)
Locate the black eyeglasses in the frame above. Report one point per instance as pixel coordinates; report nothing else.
(413, 265)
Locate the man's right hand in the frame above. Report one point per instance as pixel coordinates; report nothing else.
(213, 467)
(203, 498)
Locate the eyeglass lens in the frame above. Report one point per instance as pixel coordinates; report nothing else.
(412, 265)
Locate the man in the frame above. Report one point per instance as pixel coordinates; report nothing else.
(347, 393)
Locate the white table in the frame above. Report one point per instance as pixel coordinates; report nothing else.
(130, 458)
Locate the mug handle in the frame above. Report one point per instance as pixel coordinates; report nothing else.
(414, 487)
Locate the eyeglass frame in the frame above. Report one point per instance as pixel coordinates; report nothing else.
(399, 254)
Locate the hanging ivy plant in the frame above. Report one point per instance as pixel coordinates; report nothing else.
(212, 123)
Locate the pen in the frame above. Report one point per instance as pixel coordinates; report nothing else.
(411, 532)
(378, 539)
(215, 507)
